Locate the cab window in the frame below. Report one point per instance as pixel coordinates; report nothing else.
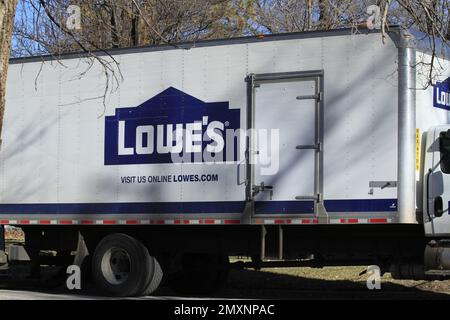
(444, 147)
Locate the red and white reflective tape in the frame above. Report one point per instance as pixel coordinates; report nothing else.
(316, 221)
(361, 221)
(202, 221)
(286, 221)
(123, 222)
(29, 222)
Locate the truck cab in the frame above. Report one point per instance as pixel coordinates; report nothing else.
(436, 182)
(436, 199)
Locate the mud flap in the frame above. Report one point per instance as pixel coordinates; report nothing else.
(3, 257)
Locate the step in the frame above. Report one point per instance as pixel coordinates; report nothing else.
(445, 273)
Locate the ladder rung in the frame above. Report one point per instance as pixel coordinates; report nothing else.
(306, 198)
(309, 97)
(444, 273)
(307, 147)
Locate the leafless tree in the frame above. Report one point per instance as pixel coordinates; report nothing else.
(106, 24)
(125, 23)
(7, 12)
(40, 24)
(432, 17)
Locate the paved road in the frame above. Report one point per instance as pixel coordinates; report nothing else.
(56, 295)
(36, 295)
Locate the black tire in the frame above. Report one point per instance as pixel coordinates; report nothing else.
(200, 274)
(122, 266)
(155, 280)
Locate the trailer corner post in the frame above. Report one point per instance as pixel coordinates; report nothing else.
(405, 43)
(250, 79)
(2, 238)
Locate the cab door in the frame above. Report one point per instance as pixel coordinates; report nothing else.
(437, 182)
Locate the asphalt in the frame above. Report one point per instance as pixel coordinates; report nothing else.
(6, 295)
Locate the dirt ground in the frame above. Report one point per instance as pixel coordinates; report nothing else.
(322, 284)
(326, 283)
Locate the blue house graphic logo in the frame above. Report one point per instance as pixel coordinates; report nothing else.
(172, 127)
(441, 96)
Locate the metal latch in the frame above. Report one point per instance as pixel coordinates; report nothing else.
(263, 188)
(318, 97)
(317, 147)
(381, 185)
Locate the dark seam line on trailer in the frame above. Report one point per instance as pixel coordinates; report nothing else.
(307, 207)
(230, 207)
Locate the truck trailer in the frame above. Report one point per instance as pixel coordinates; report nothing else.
(300, 149)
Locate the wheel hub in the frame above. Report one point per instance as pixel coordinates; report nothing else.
(116, 265)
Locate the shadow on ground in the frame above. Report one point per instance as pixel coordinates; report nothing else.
(250, 284)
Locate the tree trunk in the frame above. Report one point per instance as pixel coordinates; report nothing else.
(114, 35)
(7, 12)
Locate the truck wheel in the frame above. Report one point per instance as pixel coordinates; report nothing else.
(200, 274)
(155, 280)
(122, 266)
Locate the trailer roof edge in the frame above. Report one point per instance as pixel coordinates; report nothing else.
(201, 43)
(421, 44)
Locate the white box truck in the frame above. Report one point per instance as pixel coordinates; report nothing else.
(300, 149)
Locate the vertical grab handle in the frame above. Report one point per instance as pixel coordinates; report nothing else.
(239, 170)
(430, 171)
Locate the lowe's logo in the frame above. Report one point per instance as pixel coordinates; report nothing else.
(172, 127)
(441, 97)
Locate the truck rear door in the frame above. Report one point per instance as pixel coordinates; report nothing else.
(287, 143)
